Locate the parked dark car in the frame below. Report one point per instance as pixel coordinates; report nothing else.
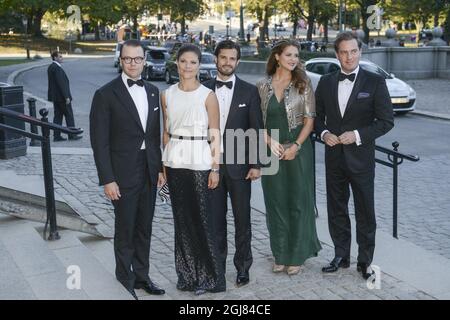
(155, 62)
(146, 44)
(172, 46)
(426, 34)
(207, 71)
(308, 46)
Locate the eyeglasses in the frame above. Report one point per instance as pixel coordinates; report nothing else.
(137, 60)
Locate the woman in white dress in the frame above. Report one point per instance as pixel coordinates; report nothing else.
(191, 117)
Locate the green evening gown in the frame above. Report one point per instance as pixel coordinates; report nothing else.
(289, 197)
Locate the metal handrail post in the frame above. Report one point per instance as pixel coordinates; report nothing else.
(48, 178)
(33, 127)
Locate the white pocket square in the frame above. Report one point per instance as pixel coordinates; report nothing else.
(154, 109)
(242, 105)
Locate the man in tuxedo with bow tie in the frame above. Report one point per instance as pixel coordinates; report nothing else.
(59, 94)
(353, 109)
(240, 112)
(126, 138)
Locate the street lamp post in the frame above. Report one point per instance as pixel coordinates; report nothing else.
(25, 25)
(275, 24)
(241, 32)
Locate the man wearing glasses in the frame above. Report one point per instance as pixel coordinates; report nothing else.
(125, 138)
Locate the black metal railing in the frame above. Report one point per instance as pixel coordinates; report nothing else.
(44, 138)
(395, 159)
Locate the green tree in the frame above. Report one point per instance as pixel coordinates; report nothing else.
(310, 12)
(327, 12)
(33, 10)
(263, 9)
(419, 11)
(133, 10)
(321, 11)
(101, 12)
(294, 9)
(363, 5)
(184, 10)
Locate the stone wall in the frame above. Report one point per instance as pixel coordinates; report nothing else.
(405, 63)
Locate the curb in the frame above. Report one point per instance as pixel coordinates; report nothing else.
(433, 115)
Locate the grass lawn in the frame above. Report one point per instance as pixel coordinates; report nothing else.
(9, 62)
(11, 44)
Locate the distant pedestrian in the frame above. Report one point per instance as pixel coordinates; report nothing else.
(59, 94)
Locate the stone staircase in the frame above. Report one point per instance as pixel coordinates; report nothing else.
(32, 268)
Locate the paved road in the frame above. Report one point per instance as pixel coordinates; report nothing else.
(424, 201)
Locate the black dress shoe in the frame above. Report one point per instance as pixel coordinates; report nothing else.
(59, 139)
(149, 287)
(365, 270)
(133, 294)
(75, 138)
(338, 262)
(242, 279)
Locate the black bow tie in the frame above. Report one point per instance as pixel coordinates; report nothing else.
(343, 76)
(139, 82)
(228, 84)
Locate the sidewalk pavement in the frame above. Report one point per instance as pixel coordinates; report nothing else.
(407, 271)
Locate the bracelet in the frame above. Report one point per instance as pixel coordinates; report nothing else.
(299, 145)
(215, 170)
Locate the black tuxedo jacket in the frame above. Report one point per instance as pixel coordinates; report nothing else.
(245, 113)
(58, 84)
(117, 134)
(369, 110)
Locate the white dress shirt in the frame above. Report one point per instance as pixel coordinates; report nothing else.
(224, 96)
(345, 89)
(57, 63)
(139, 96)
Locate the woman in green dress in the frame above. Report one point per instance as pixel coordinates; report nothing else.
(288, 106)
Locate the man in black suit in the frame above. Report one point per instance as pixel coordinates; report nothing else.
(125, 137)
(240, 112)
(59, 94)
(353, 109)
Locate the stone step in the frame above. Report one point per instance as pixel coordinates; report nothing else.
(103, 250)
(38, 271)
(13, 284)
(95, 276)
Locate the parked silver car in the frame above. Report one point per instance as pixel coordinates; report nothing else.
(403, 96)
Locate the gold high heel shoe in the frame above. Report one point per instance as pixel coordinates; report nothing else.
(292, 270)
(278, 268)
